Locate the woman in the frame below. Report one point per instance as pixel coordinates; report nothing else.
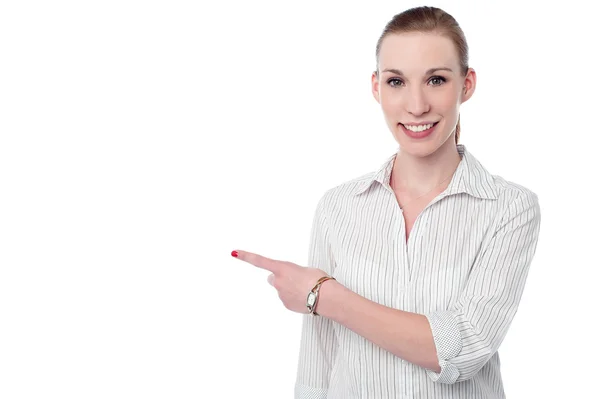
(417, 268)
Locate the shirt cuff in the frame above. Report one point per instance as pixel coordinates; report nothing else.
(448, 343)
(305, 392)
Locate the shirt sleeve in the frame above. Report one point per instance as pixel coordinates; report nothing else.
(467, 335)
(318, 345)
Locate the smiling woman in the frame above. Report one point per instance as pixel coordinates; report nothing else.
(430, 252)
(417, 268)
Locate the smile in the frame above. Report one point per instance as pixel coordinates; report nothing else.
(419, 128)
(418, 131)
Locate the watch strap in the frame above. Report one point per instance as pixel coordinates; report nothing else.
(315, 290)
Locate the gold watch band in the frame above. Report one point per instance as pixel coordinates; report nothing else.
(316, 289)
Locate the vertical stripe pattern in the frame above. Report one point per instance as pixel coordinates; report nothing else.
(464, 267)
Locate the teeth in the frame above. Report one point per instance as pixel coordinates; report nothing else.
(418, 128)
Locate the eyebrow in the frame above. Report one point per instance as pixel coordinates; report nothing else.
(429, 71)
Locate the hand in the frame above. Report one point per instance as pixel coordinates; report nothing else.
(292, 282)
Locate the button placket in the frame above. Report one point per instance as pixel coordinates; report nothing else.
(397, 247)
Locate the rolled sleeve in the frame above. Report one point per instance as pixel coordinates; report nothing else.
(318, 345)
(448, 342)
(467, 335)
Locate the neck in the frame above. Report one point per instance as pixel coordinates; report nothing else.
(414, 174)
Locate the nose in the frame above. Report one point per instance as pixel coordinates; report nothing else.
(417, 102)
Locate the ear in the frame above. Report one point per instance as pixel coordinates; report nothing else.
(375, 86)
(469, 85)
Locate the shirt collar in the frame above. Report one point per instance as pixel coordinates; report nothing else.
(470, 177)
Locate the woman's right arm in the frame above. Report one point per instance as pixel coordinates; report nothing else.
(318, 345)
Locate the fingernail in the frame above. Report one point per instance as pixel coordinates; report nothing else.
(234, 254)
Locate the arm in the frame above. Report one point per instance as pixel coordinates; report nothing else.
(452, 344)
(405, 334)
(318, 345)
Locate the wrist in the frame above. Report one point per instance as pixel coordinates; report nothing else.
(327, 294)
(313, 296)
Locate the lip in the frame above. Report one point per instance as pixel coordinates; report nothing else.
(418, 135)
(419, 123)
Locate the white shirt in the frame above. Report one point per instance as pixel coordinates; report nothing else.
(464, 267)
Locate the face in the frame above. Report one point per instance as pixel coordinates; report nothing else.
(414, 93)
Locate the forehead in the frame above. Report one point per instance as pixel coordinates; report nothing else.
(416, 52)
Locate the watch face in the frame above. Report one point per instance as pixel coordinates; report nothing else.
(311, 298)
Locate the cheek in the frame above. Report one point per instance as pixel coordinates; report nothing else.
(446, 104)
(388, 107)
(450, 99)
(390, 103)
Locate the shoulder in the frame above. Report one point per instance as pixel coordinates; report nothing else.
(346, 189)
(340, 198)
(510, 191)
(515, 199)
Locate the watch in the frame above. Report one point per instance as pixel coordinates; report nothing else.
(313, 296)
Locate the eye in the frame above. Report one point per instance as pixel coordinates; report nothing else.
(394, 80)
(439, 79)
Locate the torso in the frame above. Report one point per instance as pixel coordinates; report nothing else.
(413, 209)
(409, 220)
(414, 205)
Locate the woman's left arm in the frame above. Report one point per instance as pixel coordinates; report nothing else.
(453, 344)
(404, 334)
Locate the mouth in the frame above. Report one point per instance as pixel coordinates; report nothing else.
(419, 128)
(418, 131)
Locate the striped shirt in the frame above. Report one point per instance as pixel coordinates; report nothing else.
(464, 267)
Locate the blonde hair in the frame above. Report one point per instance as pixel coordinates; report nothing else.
(429, 19)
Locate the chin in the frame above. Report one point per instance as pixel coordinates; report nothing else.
(420, 150)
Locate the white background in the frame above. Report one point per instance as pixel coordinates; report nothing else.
(141, 142)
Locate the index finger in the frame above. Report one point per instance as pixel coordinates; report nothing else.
(257, 260)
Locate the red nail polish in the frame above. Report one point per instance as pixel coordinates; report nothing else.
(234, 253)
